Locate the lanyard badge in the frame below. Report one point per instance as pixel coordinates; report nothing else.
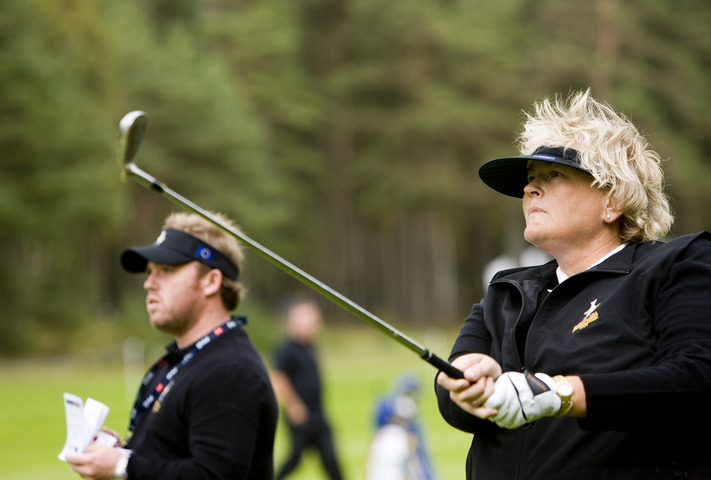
(154, 398)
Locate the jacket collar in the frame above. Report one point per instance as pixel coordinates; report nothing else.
(619, 263)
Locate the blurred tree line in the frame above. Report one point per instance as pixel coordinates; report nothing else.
(343, 135)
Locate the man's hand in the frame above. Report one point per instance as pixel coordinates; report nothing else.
(97, 463)
(470, 393)
(521, 398)
(296, 412)
(110, 433)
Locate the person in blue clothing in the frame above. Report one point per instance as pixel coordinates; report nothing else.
(596, 365)
(397, 450)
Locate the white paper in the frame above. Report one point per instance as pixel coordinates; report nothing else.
(83, 424)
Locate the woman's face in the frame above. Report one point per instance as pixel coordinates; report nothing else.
(562, 209)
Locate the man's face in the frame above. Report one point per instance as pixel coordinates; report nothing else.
(175, 296)
(304, 322)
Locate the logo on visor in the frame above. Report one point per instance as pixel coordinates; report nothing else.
(204, 253)
(161, 238)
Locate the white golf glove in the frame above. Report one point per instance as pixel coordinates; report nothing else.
(523, 398)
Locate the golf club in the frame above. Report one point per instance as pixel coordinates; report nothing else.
(131, 130)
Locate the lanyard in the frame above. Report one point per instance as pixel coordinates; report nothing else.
(145, 402)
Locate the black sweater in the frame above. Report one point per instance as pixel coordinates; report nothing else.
(217, 420)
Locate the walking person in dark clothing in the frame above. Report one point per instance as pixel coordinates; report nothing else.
(297, 383)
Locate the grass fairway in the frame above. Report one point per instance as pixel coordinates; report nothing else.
(358, 365)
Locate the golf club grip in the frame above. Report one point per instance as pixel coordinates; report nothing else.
(442, 365)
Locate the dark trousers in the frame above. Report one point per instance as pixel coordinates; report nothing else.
(314, 433)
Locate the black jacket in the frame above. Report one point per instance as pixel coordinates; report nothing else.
(298, 362)
(636, 329)
(217, 420)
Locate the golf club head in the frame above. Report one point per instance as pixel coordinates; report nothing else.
(131, 130)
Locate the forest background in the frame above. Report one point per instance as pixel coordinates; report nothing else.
(343, 135)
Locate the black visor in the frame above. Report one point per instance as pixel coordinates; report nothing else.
(509, 175)
(174, 247)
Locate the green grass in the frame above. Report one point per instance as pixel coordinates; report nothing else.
(358, 365)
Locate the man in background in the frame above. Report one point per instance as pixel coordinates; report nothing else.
(297, 384)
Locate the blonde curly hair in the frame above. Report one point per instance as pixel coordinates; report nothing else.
(613, 151)
(232, 291)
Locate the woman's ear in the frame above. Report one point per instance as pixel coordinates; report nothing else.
(612, 212)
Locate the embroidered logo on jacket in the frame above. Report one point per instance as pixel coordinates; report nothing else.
(590, 316)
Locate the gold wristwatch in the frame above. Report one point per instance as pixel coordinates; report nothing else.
(565, 392)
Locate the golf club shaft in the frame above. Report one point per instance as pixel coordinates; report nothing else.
(131, 131)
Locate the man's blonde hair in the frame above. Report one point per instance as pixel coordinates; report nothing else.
(232, 290)
(613, 150)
